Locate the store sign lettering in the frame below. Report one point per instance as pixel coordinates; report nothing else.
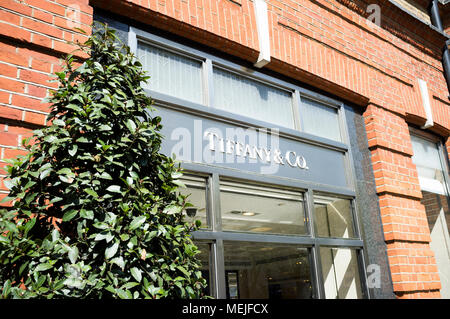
(223, 145)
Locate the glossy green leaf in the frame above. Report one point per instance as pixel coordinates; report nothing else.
(119, 262)
(69, 215)
(131, 125)
(136, 273)
(114, 189)
(43, 267)
(64, 171)
(45, 173)
(73, 150)
(29, 225)
(111, 250)
(137, 221)
(88, 214)
(73, 254)
(91, 192)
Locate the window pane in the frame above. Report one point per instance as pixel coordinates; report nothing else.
(204, 257)
(241, 95)
(333, 217)
(438, 215)
(171, 73)
(436, 202)
(196, 190)
(320, 120)
(428, 164)
(264, 270)
(340, 273)
(257, 209)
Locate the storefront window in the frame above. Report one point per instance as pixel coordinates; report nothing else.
(262, 210)
(340, 273)
(196, 191)
(333, 216)
(264, 270)
(435, 198)
(256, 267)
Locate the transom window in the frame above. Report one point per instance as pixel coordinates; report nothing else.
(241, 95)
(320, 119)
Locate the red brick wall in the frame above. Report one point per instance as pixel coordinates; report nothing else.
(33, 39)
(326, 43)
(413, 266)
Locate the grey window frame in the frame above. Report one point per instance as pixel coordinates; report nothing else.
(215, 236)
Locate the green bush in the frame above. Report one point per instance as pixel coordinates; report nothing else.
(96, 212)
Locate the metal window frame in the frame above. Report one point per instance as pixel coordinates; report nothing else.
(215, 236)
(355, 229)
(189, 107)
(299, 191)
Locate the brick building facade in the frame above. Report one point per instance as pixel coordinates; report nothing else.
(334, 46)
